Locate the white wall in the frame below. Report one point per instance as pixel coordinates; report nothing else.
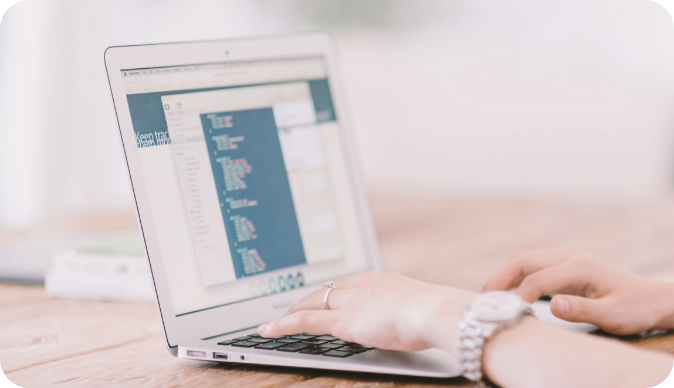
(489, 126)
(565, 97)
(518, 98)
(59, 147)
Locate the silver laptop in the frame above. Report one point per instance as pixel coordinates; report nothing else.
(248, 196)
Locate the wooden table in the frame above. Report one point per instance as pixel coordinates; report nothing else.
(45, 341)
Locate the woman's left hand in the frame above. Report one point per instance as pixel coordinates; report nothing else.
(388, 311)
(588, 289)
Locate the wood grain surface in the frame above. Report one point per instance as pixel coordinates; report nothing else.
(77, 343)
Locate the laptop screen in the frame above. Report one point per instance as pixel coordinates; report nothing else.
(246, 172)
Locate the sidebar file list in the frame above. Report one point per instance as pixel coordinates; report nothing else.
(200, 198)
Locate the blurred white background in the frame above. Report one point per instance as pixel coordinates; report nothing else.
(516, 98)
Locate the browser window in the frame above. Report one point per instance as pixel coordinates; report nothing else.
(245, 169)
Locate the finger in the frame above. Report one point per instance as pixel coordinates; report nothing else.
(350, 281)
(314, 301)
(521, 264)
(578, 309)
(316, 322)
(565, 277)
(344, 282)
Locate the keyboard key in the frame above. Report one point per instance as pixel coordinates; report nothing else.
(352, 349)
(227, 342)
(314, 341)
(331, 346)
(315, 350)
(288, 340)
(294, 347)
(326, 346)
(245, 337)
(260, 340)
(245, 344)
(301, 337)
(337, 353)
(270, 345)
(254, 335)
(312, 335)
(276, 338)
(340, 342)
(326, 338)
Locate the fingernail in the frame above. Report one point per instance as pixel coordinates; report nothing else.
(563, 307)
(262, 328)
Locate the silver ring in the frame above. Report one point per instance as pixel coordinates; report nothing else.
(328, 284)
(325, 298)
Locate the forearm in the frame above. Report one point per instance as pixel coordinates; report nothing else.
(534, 354)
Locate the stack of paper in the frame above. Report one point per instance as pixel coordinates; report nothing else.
(112, 267)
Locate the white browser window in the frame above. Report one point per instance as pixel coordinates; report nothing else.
(247, 180)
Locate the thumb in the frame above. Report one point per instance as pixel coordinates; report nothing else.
(575, 308)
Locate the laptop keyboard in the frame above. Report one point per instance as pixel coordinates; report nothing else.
(319, 345)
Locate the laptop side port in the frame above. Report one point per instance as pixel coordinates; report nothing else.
(220, 356)
(195, 353)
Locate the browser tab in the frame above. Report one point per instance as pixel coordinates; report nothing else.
(224, 74)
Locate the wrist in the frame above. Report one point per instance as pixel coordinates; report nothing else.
(447, 313)
(500, 346)
(488, 316)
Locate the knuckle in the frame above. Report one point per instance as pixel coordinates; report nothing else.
(278, 325)
(514, 257)
(583, 260)
(532, 283)
(582, 308)
(518, 260)
(338, 331)
(343, 327)
(579, 310)
(303, 317)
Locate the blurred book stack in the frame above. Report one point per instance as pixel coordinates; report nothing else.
(112, 267)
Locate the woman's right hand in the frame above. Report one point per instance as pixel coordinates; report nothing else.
(388, 311)
(588, 290)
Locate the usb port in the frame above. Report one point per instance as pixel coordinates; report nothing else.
(220, 356)
(195, 353)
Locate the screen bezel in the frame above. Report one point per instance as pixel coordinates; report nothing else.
(242, 315)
